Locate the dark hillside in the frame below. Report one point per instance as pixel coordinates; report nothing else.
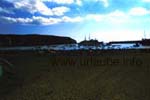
(33, 40)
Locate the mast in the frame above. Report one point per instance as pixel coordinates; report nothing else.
(144, 35)
(85, 38)
(89, 37)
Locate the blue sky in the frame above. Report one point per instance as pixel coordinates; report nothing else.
(105, 20)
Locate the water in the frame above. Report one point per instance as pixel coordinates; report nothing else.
(76, 47)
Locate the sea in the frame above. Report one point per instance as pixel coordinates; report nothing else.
(77, 47)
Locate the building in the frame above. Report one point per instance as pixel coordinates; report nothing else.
(145, 42)
(90, 43)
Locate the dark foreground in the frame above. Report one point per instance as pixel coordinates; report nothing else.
(76, 75)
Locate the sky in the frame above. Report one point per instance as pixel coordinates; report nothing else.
(105, 20)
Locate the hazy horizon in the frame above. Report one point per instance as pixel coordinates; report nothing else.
(105, 20)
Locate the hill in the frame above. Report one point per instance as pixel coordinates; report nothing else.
(33, 40)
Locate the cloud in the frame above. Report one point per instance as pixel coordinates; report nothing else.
(72, 20)
(120, 17)
(59, 11)
(117, 13)
(3, 10)
(57, 14)
(96, 17)
(146, 0)
(105, 2)
(139, 11)
(60, 1)
(79, 2)
(115, 17)
(15, 20)
(37, 6)
(40, 20)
